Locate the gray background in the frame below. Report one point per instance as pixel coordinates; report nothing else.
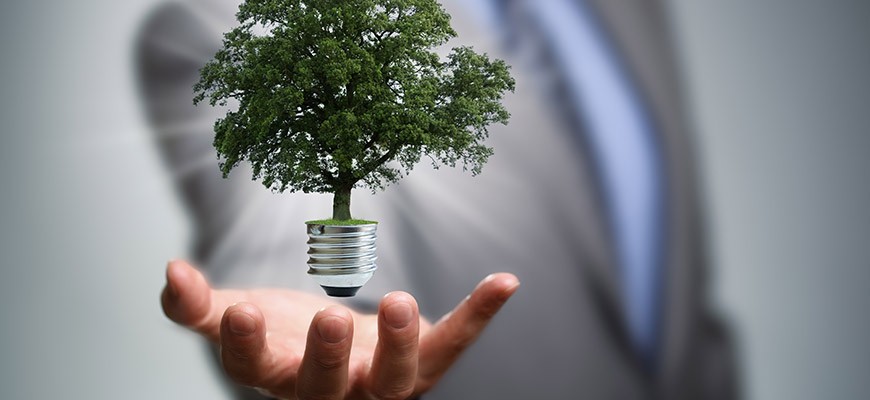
(780, 93)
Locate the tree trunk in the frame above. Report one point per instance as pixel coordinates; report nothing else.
(341, 204)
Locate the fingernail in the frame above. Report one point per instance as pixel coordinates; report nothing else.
(486, 280)
(510, 291)
(398, 315)
(332, 329)
(241, 324)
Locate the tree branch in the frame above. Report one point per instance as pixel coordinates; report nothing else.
(371, 142)
(350, 88)
(377, 163)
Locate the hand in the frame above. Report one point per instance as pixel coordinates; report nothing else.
(266, 340)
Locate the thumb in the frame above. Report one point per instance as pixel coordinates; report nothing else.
(187, 299)
(457, 330)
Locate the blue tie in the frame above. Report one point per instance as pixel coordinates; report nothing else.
(623, 142)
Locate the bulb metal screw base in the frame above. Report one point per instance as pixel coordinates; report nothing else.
(341, 258)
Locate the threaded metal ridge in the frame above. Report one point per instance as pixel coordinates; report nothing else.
(341, 256)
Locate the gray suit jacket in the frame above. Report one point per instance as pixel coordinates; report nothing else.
(535, 211)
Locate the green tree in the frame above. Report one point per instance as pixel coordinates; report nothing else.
(335, 94)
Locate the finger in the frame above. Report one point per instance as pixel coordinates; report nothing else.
(324, 370)
(188, 300)
(394, 366)
(245, 355)
(446, 341)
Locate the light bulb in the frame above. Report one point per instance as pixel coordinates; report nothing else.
(341, 257)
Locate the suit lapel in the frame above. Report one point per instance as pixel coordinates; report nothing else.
(527, 48)
(602, 279)
(640, 31)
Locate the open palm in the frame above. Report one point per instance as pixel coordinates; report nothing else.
(294, 345)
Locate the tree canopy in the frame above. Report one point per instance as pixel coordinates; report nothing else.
(328, 95)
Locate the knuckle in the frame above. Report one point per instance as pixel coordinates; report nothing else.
(426, 383)
(427, 380)
(404, 349)
(486, 310)
(307, 394)
(328, 362)
(459, 343)
(238, 371)
(237, 351)
(393, 393)
(242, 367)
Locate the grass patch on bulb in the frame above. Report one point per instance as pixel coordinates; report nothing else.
(338, 222)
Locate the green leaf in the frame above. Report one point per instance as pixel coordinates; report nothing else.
(333, 95)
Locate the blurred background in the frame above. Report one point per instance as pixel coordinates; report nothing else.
(780, 93)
